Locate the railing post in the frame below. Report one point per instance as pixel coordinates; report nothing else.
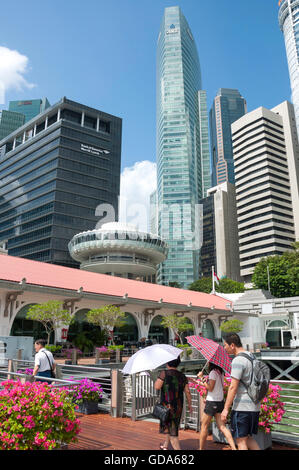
(134, 397)
(74, 356)
(9, 368)
(116, 393)
(97, 356)
(58, 371)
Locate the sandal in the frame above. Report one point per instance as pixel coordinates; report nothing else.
(163, 447)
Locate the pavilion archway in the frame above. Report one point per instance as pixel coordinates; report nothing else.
(157, 333)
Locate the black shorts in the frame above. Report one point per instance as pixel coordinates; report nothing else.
(213, 407)
(244, 423)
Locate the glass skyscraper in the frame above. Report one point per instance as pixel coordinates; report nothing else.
(55, 172)
(9, 122)
(289, 25)
(30, 108)
(228, 106)
(179, 164)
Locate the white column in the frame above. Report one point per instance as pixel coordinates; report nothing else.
(82, 119)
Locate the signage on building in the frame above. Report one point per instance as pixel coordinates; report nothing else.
(94, 150)
(172, 31)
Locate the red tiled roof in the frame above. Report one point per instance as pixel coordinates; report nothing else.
(49, 275)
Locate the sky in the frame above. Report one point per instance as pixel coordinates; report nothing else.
(103, 54)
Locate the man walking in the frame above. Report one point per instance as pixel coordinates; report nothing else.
(245, 413)
(44, 360)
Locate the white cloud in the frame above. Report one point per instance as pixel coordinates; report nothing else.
(13, 66)
(136, 185)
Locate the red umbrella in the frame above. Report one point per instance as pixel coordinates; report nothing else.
(211, 351)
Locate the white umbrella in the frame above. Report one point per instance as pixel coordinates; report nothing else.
(150, 358)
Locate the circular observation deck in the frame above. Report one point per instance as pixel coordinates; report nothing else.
(120, 250)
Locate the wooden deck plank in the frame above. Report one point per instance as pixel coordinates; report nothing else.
(102, 432)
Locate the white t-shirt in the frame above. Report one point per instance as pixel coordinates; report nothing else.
(217, 393)
(42, 361)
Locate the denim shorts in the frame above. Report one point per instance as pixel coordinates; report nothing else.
(213, 407)
(244, 423)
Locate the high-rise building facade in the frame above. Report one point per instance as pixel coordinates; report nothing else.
(179, 165)
(265, 154)
(55, 172)
(204, 141)
(228, 106)
(220, 247)
(30, 108)
(9, 122)
(289, 25)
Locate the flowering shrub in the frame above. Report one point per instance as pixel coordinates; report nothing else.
(272, 409)
(104, 351)
(26, 371)
(87, 390)
(68, 352)
(35, 416)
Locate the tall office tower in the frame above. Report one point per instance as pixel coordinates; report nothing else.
(30, 108)
(9, 122)
(265, 154)
(179, 166)
(204, 141)
(59, 174)
(220, 246)
(228, 106)
(289, 24)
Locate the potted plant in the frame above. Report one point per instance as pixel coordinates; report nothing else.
(87, 395)
(116, 352)
(36, 416)
(69, 354)
(272, 411)
(102, 355)
(186, 350)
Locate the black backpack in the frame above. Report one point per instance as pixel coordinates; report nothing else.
(259, 380)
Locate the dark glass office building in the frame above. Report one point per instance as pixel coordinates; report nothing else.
(228, 106)
(208, 248)
(9, 122)
(54, 172)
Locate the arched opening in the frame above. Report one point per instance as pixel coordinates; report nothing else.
(208, 330)
(126, 334)
(278, 334)
(23, 327)
(85, 336)
(157, 333)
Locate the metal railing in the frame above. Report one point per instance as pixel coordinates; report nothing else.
(287, 430)
(139, 395)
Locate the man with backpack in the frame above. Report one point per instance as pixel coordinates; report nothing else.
(249, 384)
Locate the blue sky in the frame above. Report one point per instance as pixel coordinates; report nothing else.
(103, 54)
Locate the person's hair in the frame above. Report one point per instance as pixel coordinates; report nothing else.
(42, 342)
(174, 363)
(233, 338)
(215, 367)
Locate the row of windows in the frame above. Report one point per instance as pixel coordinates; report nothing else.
(258, 257)
(253, 144)
(264, 214)
(262, 127)
(261, 119)
(271, 204)
(269, 180)
(259, 239)
(266, 229)
(269, 196)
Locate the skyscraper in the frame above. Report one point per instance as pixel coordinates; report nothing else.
(30, 108)
(9, 122)
(179, 165)
(228, 106)
(59, 174)
(266, 166)
(289, 25)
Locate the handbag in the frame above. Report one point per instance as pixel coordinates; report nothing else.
(162, 413)
(53, 375)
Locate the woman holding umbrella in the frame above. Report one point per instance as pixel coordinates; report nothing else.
(173, 384)
(214, 405)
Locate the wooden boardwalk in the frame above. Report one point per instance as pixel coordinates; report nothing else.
(102, 432)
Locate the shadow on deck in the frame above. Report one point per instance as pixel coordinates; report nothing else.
(102, 432)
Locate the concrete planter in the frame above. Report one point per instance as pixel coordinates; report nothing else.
(264, 440)
(88, 407)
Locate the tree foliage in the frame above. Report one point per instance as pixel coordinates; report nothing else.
(226, 286)
(232, 326)
(107, 317)
(178, 325)
(51, 315)
(283, 273)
